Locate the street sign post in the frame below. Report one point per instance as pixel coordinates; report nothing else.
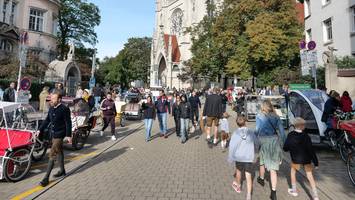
(309, 59)
(22, 57)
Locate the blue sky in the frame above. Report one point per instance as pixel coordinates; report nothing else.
(120, 20)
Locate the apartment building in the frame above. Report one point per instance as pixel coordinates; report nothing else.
(37, 17)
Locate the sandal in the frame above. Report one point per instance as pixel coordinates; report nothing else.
(236, 187)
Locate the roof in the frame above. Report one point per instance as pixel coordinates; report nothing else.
(176, 55)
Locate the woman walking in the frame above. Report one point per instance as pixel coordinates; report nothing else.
(271, 137)
(185, 117)
(175, 114)
(149, 115)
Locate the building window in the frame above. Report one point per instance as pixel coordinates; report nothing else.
(308, 35)
(307, 8)
(13, 13)
(36, 20)
(5, 45)
(55, 25)
(4, 10)
(328, 30)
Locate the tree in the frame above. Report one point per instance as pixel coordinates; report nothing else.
(131, 63)
(247, 37)
(77, 21)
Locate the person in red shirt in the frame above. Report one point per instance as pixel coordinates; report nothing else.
(346, 102)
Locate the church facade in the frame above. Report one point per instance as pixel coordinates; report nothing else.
(171, 45)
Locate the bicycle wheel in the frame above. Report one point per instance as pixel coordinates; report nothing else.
(79, 139)
(18, 166)
(351, 167)
(343, 148)
(39, 151)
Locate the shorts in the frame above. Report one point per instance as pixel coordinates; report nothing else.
(244, 166)
(307, 167)
(211, 120)
(57, 148)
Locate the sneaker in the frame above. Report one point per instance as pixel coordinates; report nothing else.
(101, 133)
(315, 198)
(113, 138)
(292, 192)
(260, 181)
(215, 141)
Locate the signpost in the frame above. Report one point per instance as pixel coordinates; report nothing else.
(22, 58)
(309, 59)
(92, 82)
(300, 86)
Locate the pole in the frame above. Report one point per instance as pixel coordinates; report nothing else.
(315, 78)
(19, 70)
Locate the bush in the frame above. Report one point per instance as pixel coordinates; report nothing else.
(346, 62)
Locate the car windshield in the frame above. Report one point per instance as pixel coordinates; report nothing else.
(317, 97)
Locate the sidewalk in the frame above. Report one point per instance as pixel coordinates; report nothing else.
(162, 169)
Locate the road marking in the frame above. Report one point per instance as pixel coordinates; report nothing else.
(94, 155)
(39, 188)
(30, 191)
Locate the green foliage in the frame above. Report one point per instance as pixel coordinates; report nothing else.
(346, 62)
(77, 22)
(246, 37)
(132, 63)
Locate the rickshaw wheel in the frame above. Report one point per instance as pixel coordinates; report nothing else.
(351, 167)
(16, 168)
(79, 138)
(39, 152)
(123, 121)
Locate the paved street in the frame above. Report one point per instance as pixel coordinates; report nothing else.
(166, 169)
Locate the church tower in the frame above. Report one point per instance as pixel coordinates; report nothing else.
(171, 45)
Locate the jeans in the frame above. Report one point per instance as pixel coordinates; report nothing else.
(195, 115)
(97, 101)
(177, 125)
(148, 128)
(162, 118)
(184, 128)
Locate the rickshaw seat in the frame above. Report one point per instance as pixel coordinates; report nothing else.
(17, 139)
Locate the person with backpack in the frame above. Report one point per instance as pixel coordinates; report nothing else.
(271, 136)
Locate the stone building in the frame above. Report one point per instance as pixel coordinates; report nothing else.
(37, 17)
(171, 45)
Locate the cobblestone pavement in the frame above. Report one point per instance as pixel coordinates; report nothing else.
(167, 169)
(161, 169)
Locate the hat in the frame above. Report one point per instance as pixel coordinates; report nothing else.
(88, 91)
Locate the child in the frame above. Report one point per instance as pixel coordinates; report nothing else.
(299, 144)
(224, 128)
(242, 150)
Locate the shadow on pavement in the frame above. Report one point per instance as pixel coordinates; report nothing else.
(104, 157)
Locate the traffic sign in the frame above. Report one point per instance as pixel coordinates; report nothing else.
(303, 44)
(311, 45)
(92, 82)
(300, 86)
(25, 83)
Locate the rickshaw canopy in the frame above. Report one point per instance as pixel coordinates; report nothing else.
(8, 107)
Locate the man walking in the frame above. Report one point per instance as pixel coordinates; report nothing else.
(109, 109)
(59, 125)
(213, 111)
(195, 104)
(9, 93)
(163, 107)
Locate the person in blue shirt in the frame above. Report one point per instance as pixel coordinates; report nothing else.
(271, 136)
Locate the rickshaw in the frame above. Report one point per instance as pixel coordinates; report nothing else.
(83, 120)
(251, 107)
(133, 106)
(349, 129)
(17, 139)
(309, 105)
